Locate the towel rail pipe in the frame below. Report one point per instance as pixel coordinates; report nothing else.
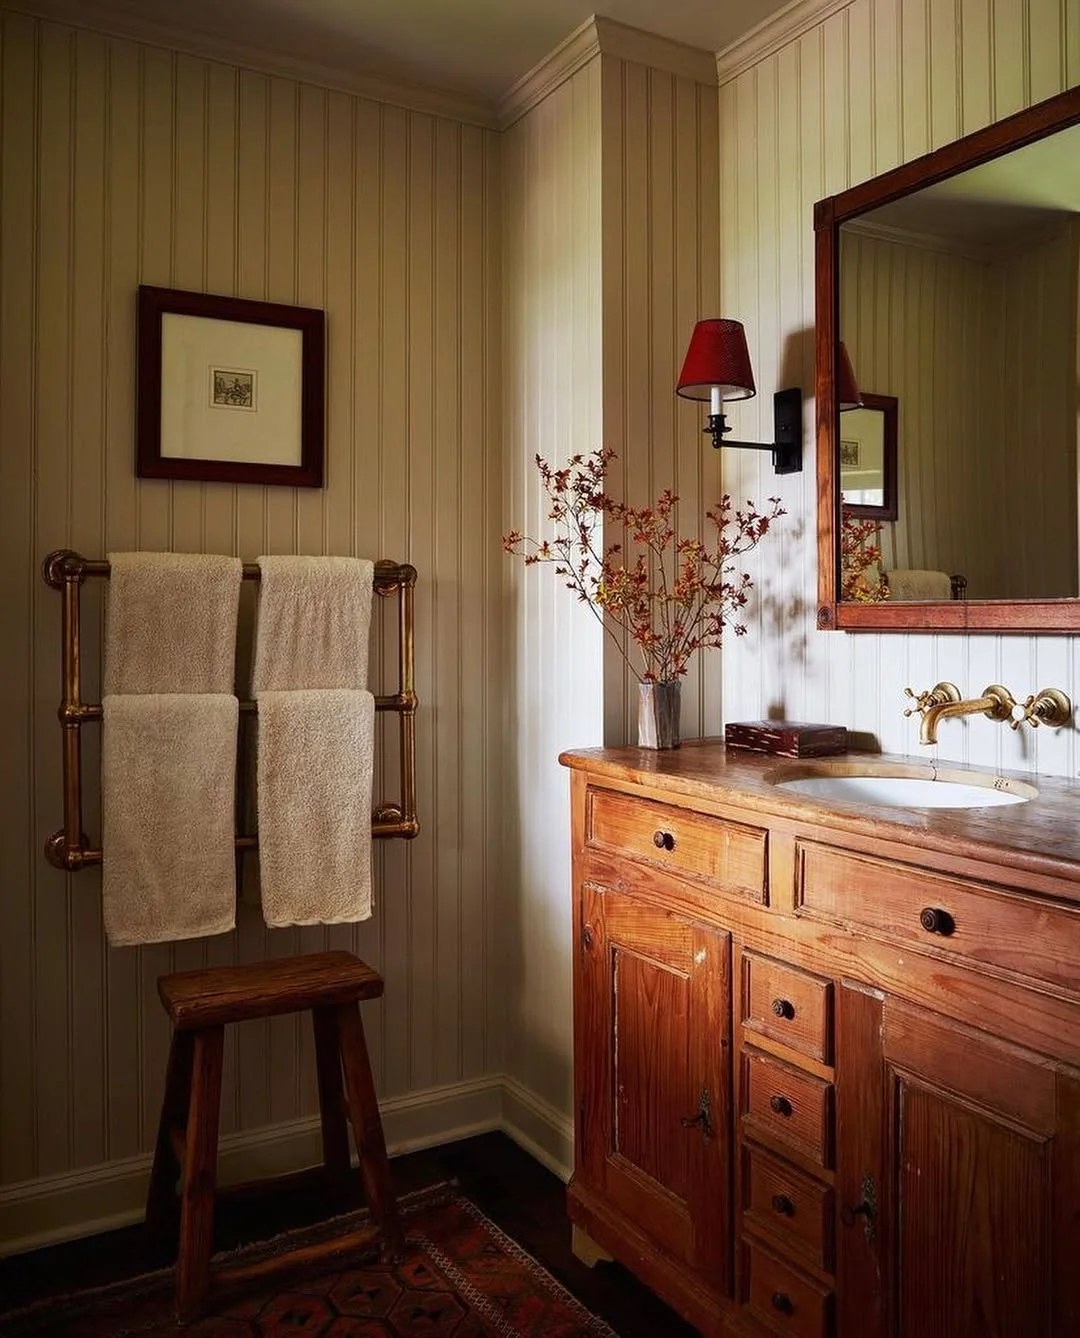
(65, 570)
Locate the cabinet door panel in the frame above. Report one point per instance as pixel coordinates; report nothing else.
(983, 1189)
(654, 1026)
(971, 1149)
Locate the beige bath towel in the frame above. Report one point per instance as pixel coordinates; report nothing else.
(313, 620)
(314, 790)
(168, 777)
(171, 622)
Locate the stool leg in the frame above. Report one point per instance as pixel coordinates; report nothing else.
(161, 1200)
(200, 1175)
(335, 1130)
(367, 1128)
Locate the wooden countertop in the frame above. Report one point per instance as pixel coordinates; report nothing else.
(1041, 836)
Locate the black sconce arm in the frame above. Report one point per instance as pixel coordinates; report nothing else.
(787, 443)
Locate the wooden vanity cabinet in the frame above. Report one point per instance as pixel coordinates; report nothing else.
(793, 1114)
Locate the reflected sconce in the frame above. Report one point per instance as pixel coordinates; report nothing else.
(717, 368)
(847, 388)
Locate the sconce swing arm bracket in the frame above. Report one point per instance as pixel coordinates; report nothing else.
(787, 443)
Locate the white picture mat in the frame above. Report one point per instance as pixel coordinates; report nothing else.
(192, 428)
(863, 484)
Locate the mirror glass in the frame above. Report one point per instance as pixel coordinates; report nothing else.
(960, 302)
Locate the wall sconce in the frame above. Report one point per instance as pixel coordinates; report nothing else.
(847, 388)
(717, 368)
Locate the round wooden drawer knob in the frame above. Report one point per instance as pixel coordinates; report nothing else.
(783, 1302)
(780, 1105)
(783, 1008)
(783, 1205)
(936, 921)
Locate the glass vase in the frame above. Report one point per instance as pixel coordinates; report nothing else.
(658, 714)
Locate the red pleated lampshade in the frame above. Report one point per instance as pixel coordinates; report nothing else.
(717, 357)
(847, 388)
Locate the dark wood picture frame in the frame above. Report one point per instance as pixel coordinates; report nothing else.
(988, 615)
(153, 305)
(888, 406)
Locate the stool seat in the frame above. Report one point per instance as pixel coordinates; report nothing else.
(331, 986)
(222, 994)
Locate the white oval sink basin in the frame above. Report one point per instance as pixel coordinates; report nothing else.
(905, 787)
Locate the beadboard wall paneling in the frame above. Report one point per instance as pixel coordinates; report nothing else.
(123, 164)
(1035, 287)
(917, 324)
(979, 350)
(875, 84)
(552, 388)
(661, 274)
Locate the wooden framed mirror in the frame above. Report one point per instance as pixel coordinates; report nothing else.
(954, 283)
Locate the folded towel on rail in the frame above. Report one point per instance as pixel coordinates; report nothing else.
(171, 622)
(312, 627)
(314, 792)
(168, 777)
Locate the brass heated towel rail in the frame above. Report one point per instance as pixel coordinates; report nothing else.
(65, 571)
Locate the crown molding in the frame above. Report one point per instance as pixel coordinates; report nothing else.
(968, 249)
(659, 53)
(557, 66)
(772, 34)
(113, 21)
(603, 36)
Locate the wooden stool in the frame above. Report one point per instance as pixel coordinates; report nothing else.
(200, 1003)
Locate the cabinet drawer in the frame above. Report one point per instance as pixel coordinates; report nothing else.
(694, 844)
(788, 1005)
(1000, 929)
(788, 1205)
(784, 1299)
(787, 1104)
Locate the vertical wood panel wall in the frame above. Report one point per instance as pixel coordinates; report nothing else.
(918, 325)
(123, 164)
(660, 276)
(979, 351)
(875, 84)
(553, 378)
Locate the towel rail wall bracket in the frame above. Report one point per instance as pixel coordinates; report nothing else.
(65, 571)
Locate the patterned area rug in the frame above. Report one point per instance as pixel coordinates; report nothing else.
(461, 1278)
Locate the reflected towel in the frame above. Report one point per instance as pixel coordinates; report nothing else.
(314, 788)
(911, 583)
(168, 774)
(171, 622)
(313, 621)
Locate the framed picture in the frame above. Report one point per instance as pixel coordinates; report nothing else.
(868, 434)
(229, 390)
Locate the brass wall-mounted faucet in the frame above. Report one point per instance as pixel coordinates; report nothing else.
(1049, 706)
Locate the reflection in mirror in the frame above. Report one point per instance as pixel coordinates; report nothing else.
(868, 435)
(960, 300)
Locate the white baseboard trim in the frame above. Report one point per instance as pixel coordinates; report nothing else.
(62, 1207)
(544, 1132)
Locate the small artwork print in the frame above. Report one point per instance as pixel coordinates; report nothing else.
(232, 388)
(849, 454)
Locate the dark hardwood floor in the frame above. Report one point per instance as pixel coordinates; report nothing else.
(514, 1191)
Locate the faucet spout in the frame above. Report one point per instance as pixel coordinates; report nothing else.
(996, 703)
